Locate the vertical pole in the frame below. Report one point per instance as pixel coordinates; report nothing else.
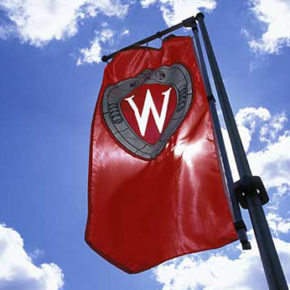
(238, 220)
(271, 263)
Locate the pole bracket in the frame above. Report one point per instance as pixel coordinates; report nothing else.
(104, 58)
(250, 185)
(211, 98)
(158, 34)
(241, 229)
(189, 22)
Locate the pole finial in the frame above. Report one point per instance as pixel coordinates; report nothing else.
(199, 15)
(104, 58)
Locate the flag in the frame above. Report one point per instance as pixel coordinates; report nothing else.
(155, 184)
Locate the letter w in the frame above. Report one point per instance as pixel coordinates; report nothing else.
(142, 119)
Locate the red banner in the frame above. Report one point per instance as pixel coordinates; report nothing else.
(155, 185)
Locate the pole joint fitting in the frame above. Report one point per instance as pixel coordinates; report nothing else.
(159, 34)
(241, 229)
(240, 225)
(189, 22)
(211, 98)
(250, 185)
(104, 58)
(199, 16)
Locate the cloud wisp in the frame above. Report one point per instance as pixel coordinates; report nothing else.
(272, 161)
(17, 270)
(93, 54)
(274, 16)
(175, 11)
(106, 36)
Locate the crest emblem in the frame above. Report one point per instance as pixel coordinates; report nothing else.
(144, 112)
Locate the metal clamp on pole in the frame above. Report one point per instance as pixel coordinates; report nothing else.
(211, 98)
(189, 22)
(249, 185)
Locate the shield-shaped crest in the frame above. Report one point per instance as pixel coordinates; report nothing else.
(143, 112)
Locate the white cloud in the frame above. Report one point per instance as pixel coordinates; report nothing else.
(273, 163)
(270, 131)
(93, 54)
(280, 192)
(104, 24)
(5, 31)
(17, 270)
(278, 224)
(275, 16)
(220, 272)
(174, 11)
(125, 32)
(38, 22)
(248, 116)
(247, 121)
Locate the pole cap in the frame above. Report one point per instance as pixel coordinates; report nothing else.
(246, 245)
(104, 58)
(199, 15)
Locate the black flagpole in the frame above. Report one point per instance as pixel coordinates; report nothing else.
(238, 220)
(250, 189)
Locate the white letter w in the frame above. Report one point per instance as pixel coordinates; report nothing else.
(142, 119)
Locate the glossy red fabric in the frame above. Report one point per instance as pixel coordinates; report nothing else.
(144, 212)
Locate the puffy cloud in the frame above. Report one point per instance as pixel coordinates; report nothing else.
(38, 22)
(273, 163)
(93, 53)
(280, 192)
(249, 116)
(247, 119)
(275, 17)
(17, 270)
(219, 271)
(278, 224)
(270, 131)
(174, 11)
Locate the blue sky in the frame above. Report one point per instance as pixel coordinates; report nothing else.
(50, 76)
